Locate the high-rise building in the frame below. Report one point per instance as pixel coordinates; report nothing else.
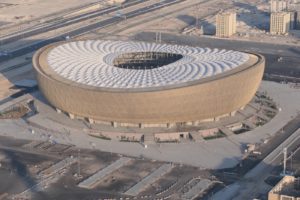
(297, 23)
(293, 19)
(278, 5)
(280, 23)
(225, 24)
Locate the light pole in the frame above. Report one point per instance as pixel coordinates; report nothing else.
(284, 160)
(79, 175)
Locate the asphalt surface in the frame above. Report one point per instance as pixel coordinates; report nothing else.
(252, 184)
(88, 28)
(251, 189)
(289, 66)
(61, 22)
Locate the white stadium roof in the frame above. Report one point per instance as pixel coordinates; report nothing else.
(90, 62)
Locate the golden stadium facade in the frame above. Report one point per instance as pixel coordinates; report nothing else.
(146, 84)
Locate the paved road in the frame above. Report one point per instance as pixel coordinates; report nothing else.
(212, 42)
(289, 66)
(219, 153)
(62, 22)
(88, 28)
(252, 183)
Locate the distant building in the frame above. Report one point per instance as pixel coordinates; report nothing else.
(286, 189)
(293, 19)
(278, 5)
(280, 23)
(297, 19)
(225, 24)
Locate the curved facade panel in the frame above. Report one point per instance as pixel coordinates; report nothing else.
(161, 102)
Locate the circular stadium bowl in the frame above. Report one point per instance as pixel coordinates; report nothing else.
(133, 83)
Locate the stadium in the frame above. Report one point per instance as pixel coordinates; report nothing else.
(139, 84)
